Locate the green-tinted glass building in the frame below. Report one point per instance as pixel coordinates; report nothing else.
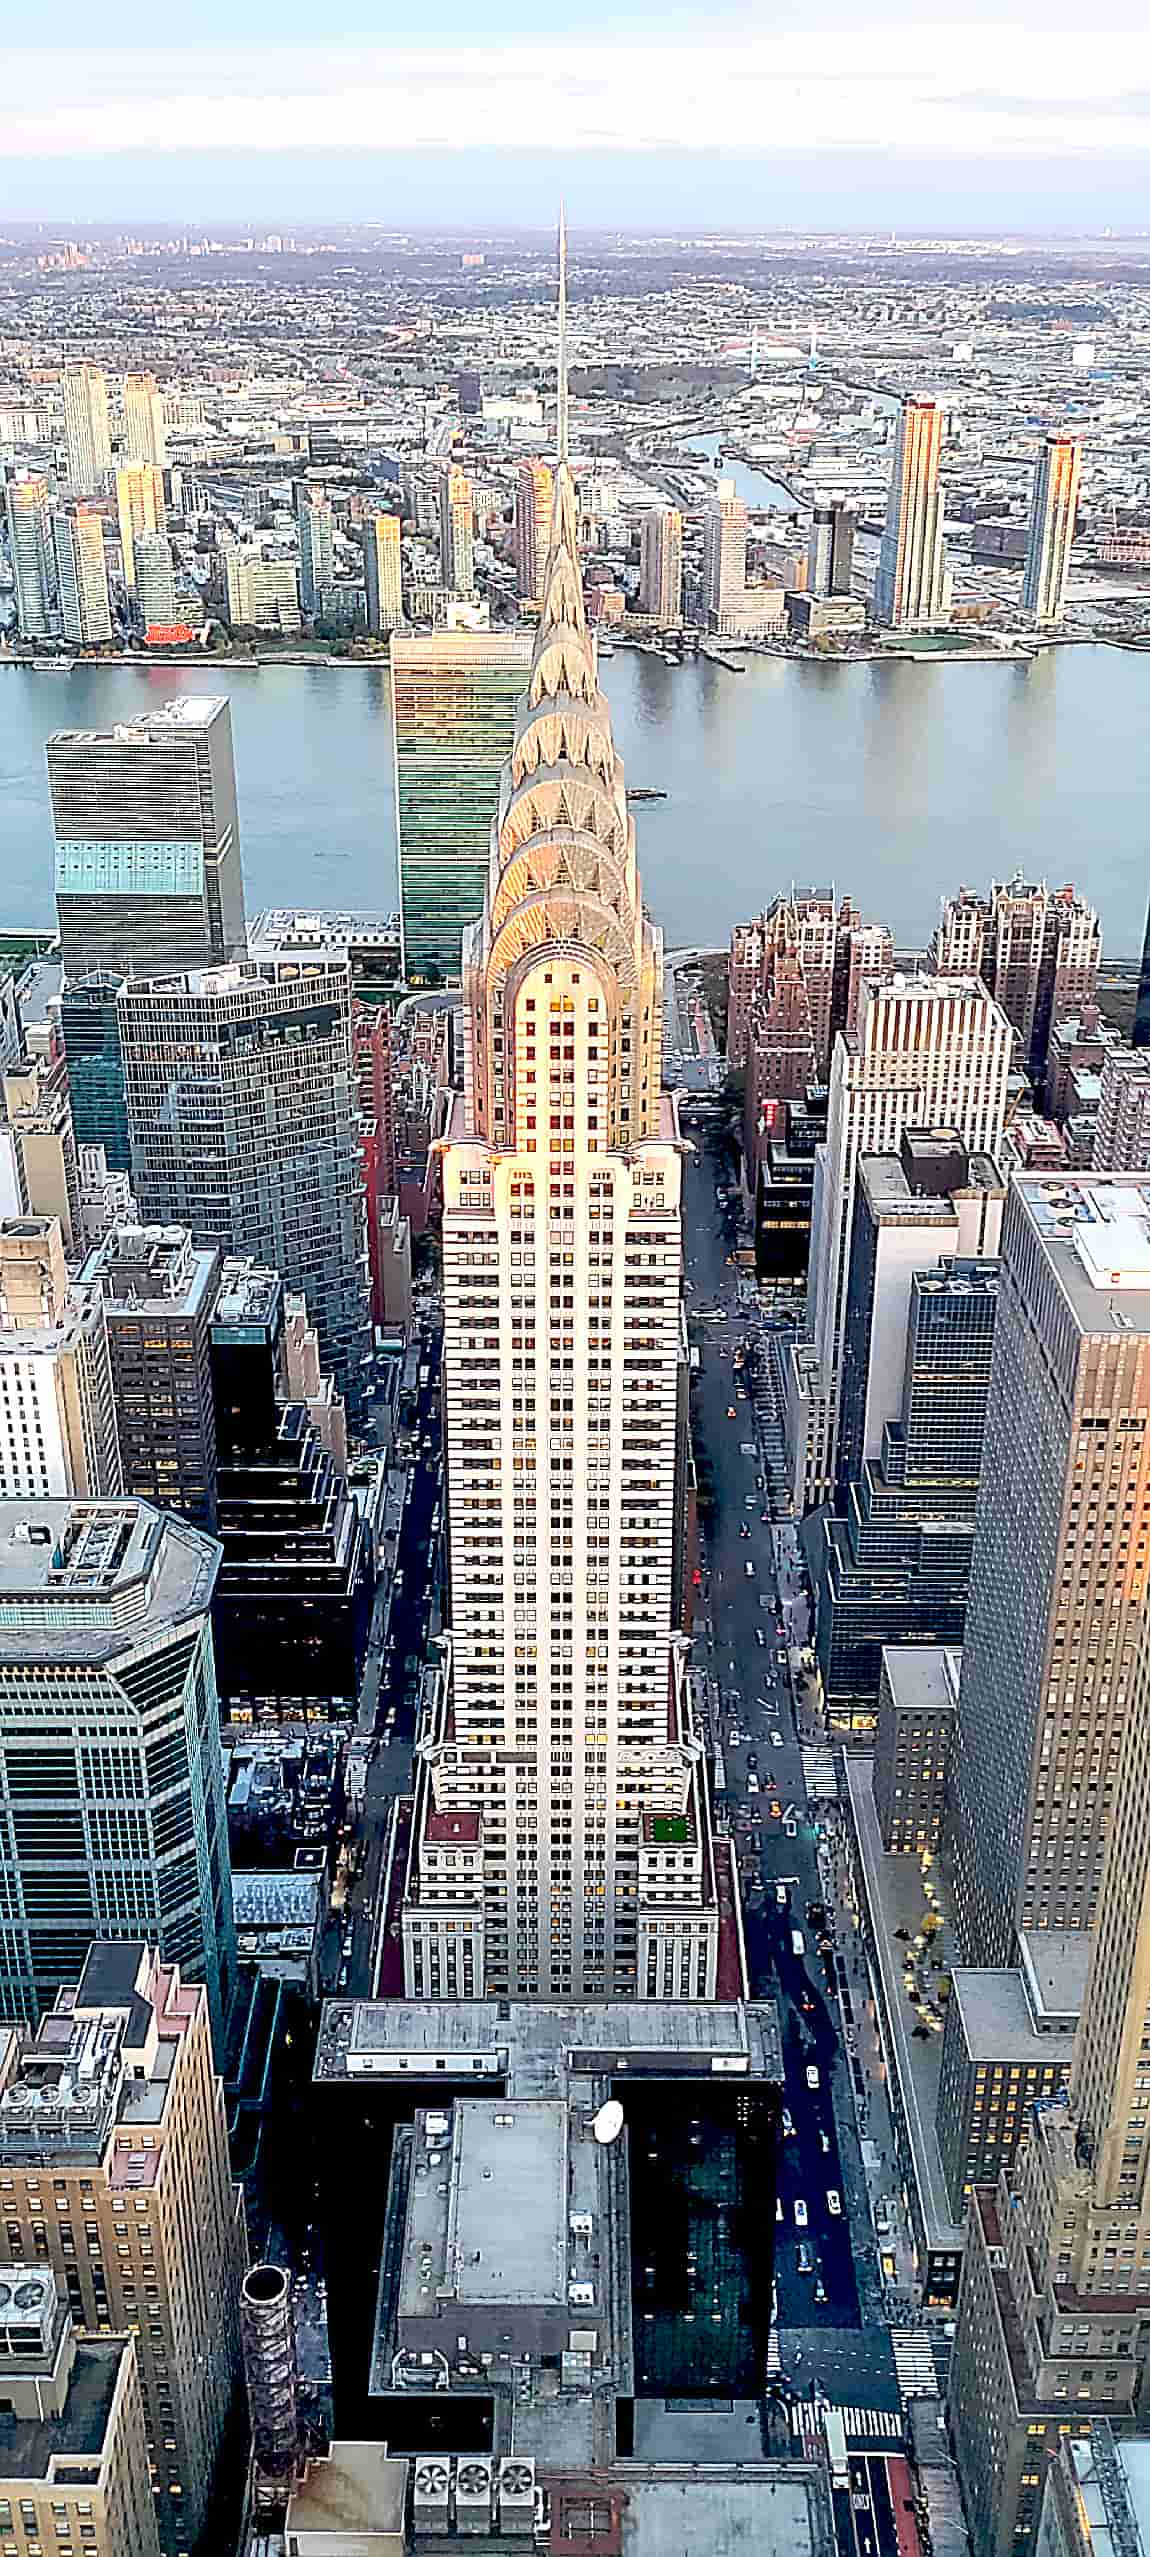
(453, 703)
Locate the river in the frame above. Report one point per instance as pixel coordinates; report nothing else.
(893, 782)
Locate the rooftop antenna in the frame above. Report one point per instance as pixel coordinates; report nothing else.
(561, 393)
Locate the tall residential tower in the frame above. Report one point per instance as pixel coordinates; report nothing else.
(912, 588)
(1053, 512)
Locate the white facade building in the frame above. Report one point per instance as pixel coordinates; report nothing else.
(562, 1842)
(929, 1052)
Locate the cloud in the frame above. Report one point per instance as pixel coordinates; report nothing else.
(886, 87)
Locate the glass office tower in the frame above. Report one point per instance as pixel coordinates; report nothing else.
(453, 703)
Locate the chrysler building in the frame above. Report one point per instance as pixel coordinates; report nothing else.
(561, 1843)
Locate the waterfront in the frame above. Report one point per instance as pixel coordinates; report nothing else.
(893, 781)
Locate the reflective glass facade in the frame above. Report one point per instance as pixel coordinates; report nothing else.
(453, 704)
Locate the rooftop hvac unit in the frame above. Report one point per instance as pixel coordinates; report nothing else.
(474, 2494)
(432, 2496)
(517, 2495)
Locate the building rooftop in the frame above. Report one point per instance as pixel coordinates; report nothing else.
(356, 2489)
(997, 2023)
(1055, 1962)
(1095, 1230)
(158, 1266)
(1102, 2463)
(488, 2226)
(488, 2038)
(78, 1578)
(279, 1900)
(922, 1678)
(760, 2511)
(29, 2446)
(184, 710)
(248, 1293)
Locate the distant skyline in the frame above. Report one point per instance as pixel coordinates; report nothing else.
(805, 115)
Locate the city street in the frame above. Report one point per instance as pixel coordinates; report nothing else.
(739, 1646)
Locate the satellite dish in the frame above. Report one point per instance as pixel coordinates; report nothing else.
(608, 2122)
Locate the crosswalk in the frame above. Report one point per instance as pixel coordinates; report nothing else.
(914, 2363)
(774, 2358)
(865, 2426)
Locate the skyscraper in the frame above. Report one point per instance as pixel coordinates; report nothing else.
(155, 581)
(1053, 2327)
(661, 564)
(90, 1030)
(724, 558)
(1122, 1130)
(1059, 1580)
(242, 1118)
(148, 870)
(1038, 950)
(140, 508)
(912, 587)
(32, 555)
(453, 702)
(562, 1839)
(144, 436)
(928, 1052)
(534, 500)
(456, 533)
(156, 1294)
(1053, 512)
(81, 577)
(86, 431)
(58, 1435)
(316, 526)
(109, 1736)
(830, 550)
(144, 2228)
(383, 571)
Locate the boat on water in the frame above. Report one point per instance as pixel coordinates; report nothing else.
(646, 794)
(52, 665)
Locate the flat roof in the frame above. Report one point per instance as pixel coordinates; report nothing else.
(1055, 1962)
(355, 2487)
(487, 2037)
(997, 2024)
(764, 2510)
(1094, 1228)
(28, 2445)
(507, 2231)
(922, 1677)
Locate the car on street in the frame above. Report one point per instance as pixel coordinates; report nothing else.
(752, 1784)
(760, 1638)
(749, 1569)
(788, 2125)
(781, 1894)
(825, 2143)
(753, 1761)
(834, 2205)
(806, 2265)
(776, 1740)
(800, 2213)
(778, 2210)
(812, 2076)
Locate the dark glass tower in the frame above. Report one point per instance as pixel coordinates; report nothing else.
(90, 1028)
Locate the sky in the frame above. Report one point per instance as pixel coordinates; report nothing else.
(983, 114)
